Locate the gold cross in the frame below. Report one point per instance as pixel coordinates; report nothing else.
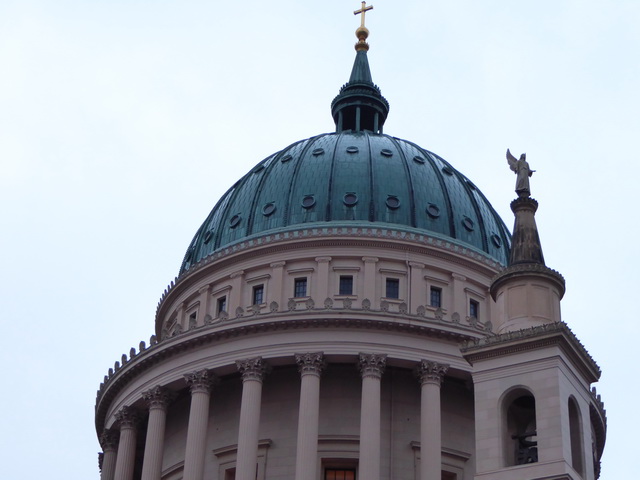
(361, 11)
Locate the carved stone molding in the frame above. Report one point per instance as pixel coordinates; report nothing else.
(109, 440)
(252, 368)
(158, 398)
(127, 417)
(431, 372)
(310, 363)
(372, 365)
(200, 381)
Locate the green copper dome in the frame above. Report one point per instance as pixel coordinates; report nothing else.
(357, 176)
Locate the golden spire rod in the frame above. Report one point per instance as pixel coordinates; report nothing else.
(362, 12)
(362, 32)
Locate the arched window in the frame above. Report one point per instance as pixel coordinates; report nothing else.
(520, 439)
(575, 433)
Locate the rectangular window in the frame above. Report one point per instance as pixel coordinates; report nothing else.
(339, 474)
(435, 297)
(258, 295)
(300, 288)
(346, 285)
(222, 305)
(474, 309)
(393, 288)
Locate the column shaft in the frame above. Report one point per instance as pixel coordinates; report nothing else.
(125, 462)
(311, 365)
(430, 374)
(109, 442)
(158, 398)
(371, 367)
(200, 386)
(248, 431)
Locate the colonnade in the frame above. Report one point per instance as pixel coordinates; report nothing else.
(119, 448)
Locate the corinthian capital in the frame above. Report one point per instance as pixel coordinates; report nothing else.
(310, 363)
(109, 440)
(200, 381)
(431, 372)
(252, 368)
(372, 365)
(127, 417)
(158, 397)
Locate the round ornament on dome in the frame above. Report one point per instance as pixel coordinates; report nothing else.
(235, 221)
(468, 224)
(317, 151)
(353, 149)
(433, 210)
(268, 209)
(308, 201)
(286, 158)
(350, 199)
(393, 202)
(385, 152)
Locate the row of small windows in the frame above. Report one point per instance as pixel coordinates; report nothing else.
(345, 287)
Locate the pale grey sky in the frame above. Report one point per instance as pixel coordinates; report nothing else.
(123, 122)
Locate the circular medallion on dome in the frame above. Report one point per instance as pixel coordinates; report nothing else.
(433, 210)
(418, 159)
(393, 202)
(471, 185)
(352, 149)
(350, 199)
(286, 158)
(495, 239)
(268, 209)
(308, 201)
(468, 224)
(447, 170)
(235, 221)
(385, 152)
(259, 168)
(317, 151)
(208, 236)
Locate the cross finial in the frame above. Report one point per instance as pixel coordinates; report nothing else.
(362, 12)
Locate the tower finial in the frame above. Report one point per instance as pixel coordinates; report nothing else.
(362, 32)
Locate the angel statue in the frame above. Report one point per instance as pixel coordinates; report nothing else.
(523, 172)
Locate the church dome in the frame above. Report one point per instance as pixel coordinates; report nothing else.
(353, 178)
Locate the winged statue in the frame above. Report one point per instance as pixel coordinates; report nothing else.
(522, 171)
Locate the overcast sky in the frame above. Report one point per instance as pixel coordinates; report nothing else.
(122, 123)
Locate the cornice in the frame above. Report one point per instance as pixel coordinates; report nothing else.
(551, 334)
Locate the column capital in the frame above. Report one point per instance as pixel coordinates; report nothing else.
(431, 372)
(127, 417)
(277, 264)
(252, 368)
(372, 365)
(109, 440)
(158, 397)
(310, 363)
(200, 381)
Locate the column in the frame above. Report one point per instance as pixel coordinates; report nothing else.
(127, 418)
(199, 383)
(205, 297)
(109, 443)
(310, 366)
(430, 375)
(371, 368)
(158, 400)
(252, 370)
